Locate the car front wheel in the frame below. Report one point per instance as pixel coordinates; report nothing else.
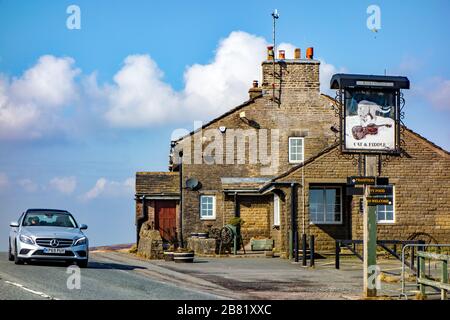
(17, 260)
(83, 263)
(10, 255)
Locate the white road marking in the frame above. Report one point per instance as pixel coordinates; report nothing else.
(38, 293)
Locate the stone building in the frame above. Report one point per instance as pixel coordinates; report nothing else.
(273, 160)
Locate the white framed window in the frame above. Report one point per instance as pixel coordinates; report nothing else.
(276, 210)
(296, 149)
(325, 204)
(386, 213)
(207, 207)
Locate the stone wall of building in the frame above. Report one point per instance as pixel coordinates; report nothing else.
(256, 212)
(301, 112)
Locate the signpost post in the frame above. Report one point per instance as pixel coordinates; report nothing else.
(370, 251)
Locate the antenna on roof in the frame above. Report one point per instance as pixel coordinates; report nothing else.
(275, 16)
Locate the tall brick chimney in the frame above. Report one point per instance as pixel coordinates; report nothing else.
(291, 75)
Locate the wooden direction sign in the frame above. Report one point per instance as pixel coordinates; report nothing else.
(380, 191)
(361, 180)
(375, 201)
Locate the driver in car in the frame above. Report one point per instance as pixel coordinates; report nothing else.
(34, 221)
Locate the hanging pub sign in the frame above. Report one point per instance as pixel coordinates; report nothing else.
(369, 112)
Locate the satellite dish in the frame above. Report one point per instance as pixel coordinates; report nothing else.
(192, 183)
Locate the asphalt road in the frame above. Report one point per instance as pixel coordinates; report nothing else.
(103, 279)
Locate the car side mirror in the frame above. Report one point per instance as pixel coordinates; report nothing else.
(14, 224)
(83, 227)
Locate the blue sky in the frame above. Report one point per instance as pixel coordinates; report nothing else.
(77, 146)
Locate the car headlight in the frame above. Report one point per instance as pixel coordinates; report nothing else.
(80, 241)
(26, 239)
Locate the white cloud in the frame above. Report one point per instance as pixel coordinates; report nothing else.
(138, 97)
(325, 73)
(108, 188)
(28, 185)
(29, 103)
(64, 185)
(216, 87)
(4, 181)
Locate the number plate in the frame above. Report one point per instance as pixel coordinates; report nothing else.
(55, 250)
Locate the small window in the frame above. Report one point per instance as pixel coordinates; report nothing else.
(296, 150)
(207, 207)
(276, 210)
(385, 214)
(325, 205)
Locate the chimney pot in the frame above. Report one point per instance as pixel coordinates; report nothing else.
(255, 83)
(297, 54)
(281, 54)
(270, 53)
(310, 53)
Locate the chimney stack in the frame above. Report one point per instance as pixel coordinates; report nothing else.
(255, 90)
(295, 76)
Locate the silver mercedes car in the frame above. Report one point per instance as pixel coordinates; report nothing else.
(48, 234)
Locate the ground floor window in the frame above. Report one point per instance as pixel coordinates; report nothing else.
(385, 214)
(207, 207)
(325, 204)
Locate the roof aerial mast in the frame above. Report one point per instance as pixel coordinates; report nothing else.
(275, 17)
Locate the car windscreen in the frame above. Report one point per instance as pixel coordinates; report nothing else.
(49, 219)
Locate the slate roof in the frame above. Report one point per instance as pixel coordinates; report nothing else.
(157, 183)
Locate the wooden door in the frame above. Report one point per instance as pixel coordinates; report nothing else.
(165, 219)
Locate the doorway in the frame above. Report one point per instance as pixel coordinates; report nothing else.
(165, 219)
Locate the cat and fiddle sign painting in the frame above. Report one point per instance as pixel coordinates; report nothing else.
(370, 120)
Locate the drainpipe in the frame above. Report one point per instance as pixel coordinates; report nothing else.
(236, 206)
(293, 252)
(180, 217)
(303, 201)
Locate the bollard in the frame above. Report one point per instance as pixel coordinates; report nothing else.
(311, 251)
(304, 250)
(338, 250)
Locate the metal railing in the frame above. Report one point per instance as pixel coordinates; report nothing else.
(423, 281)
(420, 268)
(351, 245)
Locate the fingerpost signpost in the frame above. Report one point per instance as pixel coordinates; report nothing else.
(370, 110)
